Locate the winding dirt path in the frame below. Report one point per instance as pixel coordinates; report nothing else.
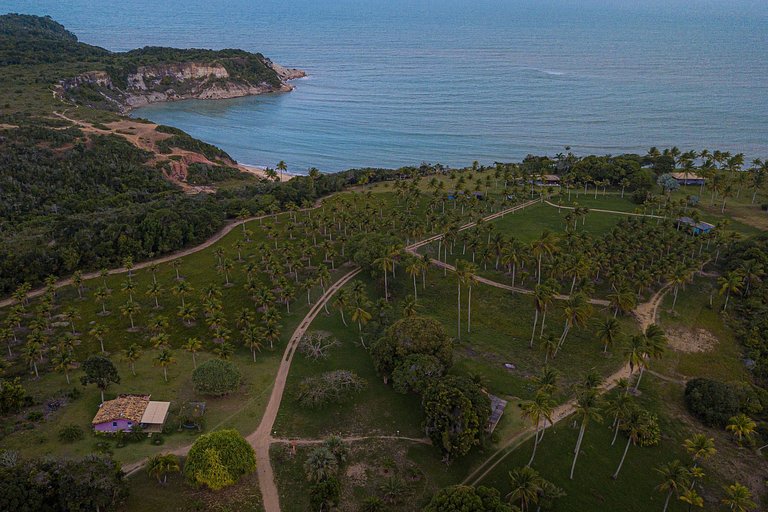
(224, 231)
(646, 315)
(261, 439)
(617, 212)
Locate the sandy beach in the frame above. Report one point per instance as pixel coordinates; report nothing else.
(261, 172)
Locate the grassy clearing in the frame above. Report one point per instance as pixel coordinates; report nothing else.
(592, 487)
(720, 356)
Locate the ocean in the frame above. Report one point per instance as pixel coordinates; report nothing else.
(398, 82)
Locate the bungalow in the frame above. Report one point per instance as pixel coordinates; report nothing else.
(127, 411)
(547, 180)
(688, 178)
(697, 227)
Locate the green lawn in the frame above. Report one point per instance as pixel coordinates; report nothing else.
(592, 487)
(693, 315)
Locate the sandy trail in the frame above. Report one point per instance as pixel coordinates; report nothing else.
(647, 316)
(617, 212)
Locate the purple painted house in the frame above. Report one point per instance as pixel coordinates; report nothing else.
(127, 411)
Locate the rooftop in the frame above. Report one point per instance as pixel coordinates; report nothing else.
(126, 407)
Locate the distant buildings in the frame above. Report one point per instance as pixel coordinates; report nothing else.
(688, 178)
(697, 227)
(547, 180)
(128, 411)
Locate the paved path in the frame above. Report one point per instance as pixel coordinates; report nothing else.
(261, 439)
(647, 316)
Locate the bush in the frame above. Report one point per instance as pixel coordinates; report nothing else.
(219, 459)
(329, 387)
(71, 433)
(216, 377)
(411, 336)
(711, 401)
(158, 440)
(35, 416)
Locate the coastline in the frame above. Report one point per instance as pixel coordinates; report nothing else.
(258, 170)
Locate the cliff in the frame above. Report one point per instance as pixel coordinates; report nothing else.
(175, 81)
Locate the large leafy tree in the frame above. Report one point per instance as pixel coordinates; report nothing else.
(219, 459)
(456, 413)
(100, 371)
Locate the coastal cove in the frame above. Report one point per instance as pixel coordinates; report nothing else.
(506, 80)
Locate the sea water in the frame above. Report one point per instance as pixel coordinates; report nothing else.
(399, 82)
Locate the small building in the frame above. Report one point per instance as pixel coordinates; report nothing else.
(497, 409)
(547, 180)
(697, 227)
(688, 178)
(128, 411)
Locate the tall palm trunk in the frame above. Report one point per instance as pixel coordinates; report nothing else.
(535, 321)
(536, 440)
(666, 502)
(415, 293)
(578, 446)
(621, 462)
(458, 317)
(469, 309)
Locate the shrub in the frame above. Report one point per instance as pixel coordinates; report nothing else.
(71, 433)
(35, 416)
(216, 377)
(325, 495)
(329, 387)
(411, 336)
(219, 459)
(158, 440)
(711, 401)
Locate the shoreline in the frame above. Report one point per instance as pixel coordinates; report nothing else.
(260, 171)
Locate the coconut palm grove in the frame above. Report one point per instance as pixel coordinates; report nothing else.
(560, 333)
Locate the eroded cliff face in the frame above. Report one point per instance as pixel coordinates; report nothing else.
(171, 82)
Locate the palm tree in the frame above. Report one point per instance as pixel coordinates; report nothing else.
(181, 289)
(731, 282)
(413, 268)
(680, 276)
(539, 408)
(654, 343)
(470, 276)
(282, 167)
(546, 244)
(193, 345)
(635, 425)
(619, 406)
(526, 485)
(160, 465)
(738, 497)
(98, 331)
(154, 291)
(342, 302)
(63, 362)
(608, 331)
(130, 309)
(176, 264)
(622, 300)
(692, 498)
(385, 263)
(101, 297)
(542, 298)
(700, 448)
(131, 355)
(77, 280)
(362, 317)
(549, 345)
(410, 306)
(742, 427)
(252, 337)
(577, 311)
(546, 380)
(224, 350)
(32, 352)
(674, 479)
(164, 359)
(320, 465)
(272, 333)
(587, 408)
